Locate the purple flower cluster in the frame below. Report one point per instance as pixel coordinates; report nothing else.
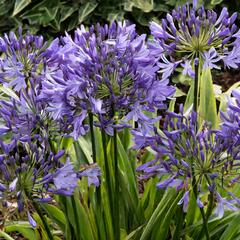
(31, 168)
(106, 71)
(21, 60)
(30, 172)
(231, 124)
(190, 33)
(186, 158)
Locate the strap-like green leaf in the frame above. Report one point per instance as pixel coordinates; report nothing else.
(19, 6)
(207, 105)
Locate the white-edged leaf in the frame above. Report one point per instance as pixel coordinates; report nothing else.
(19, 6)
(9, 92)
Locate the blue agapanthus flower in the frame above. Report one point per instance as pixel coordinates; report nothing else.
(186, 158)
(107, 70)
(31, 167)
(231, 124)
(22, 58)
(190, 32)
(24, 168)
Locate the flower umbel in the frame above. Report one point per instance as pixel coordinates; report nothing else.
(190, 33)
(22, 59)
(182, 154)
(109, 69)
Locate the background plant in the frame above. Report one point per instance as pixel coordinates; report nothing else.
(51, 18)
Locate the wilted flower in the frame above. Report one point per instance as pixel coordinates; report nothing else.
(185, 158)
(190, 33)
(108, 70)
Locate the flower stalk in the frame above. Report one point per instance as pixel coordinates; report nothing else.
(116, 197)
(196, 83)
(40, 214)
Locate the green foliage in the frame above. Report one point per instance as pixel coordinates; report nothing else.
(53, 18)
(207, 103)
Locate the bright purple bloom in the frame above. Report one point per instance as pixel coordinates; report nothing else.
(65, 177)
(107, 70)
(210, 58)
(21, 59)
(182, 154)
(191, 32)
(230, 125)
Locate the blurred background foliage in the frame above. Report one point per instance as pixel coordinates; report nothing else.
(52, 18)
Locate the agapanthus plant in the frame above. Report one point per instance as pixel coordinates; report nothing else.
(32, 167)
(191, 160)
(191, 32)
(30, 171)
(23, 63)
(230, 124)
(21, 59)
(196, 40)
(108, 70)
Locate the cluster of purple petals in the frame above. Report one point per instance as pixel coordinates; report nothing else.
(30, 167)
(190, 32)
(182, 154)
(230, 126)
(107, 71)
(29, 171)
(21, 59)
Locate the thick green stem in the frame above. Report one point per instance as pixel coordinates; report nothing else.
(116, 197)
(195, 101)
(210, 206)
(40, 214)
(205, 224)
(94, 155)
(179, 225)
(107, 169)
(211, 200)
(195, 108)
(76, 219)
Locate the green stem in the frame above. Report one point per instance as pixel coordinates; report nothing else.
(116, 197)
(76, 219)
(69, 234)
(179, 225)
(94, 155)
(40, 214)
(211, 200)
(5, 236)
(195, 101)
(194, 185)
(205, 225)
(210, 206)
(107, 169)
